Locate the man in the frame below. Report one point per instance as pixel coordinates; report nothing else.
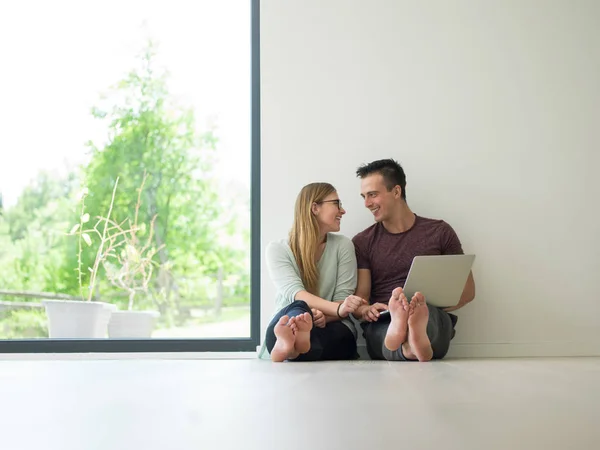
(413, 330)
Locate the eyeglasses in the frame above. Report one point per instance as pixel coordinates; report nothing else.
(336, 202)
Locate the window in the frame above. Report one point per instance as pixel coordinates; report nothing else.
(129, 182)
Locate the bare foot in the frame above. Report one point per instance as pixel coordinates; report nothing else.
(420, 346)
(284, 346)
(304, 323)
(399, 312)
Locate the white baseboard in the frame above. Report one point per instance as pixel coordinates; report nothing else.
(524, 350)
(516, 350)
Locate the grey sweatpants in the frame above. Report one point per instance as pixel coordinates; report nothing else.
(440, 330)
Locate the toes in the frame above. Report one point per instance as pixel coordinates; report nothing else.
(283, 320)
(396, 293)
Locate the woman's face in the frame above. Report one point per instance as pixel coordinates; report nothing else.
(329, 213)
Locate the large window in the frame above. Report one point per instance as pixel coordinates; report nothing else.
(129, 176)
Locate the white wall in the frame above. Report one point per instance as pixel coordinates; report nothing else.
(493, 109)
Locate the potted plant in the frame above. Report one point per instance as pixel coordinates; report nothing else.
(129, 266)
(87, 318)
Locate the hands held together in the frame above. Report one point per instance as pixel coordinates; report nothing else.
(345, 308)
(351, 305)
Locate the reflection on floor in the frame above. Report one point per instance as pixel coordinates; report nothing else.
(251, 404)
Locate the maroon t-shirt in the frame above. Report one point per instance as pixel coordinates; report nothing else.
(389, 255)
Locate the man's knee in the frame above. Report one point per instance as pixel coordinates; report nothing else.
(392, 355)
(440, 353)
(440, 343)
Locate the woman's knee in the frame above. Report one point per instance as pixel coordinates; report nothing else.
(300, 304)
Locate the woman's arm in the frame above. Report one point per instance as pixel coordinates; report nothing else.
(330, 309)
(285, 275)
(346, 276)
(346, 271)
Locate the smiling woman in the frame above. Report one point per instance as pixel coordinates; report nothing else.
(314, 272)
(122, 217)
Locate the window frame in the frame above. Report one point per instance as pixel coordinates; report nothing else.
(47, 345)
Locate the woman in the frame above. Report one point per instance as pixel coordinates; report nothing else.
(314, 272)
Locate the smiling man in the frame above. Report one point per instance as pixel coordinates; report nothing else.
(413, 330)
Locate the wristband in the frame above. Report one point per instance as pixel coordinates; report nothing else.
(338, 310)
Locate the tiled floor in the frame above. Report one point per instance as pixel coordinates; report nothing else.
(251, 404)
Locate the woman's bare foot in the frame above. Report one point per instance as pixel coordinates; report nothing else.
(420, 346)
(284, 346)
(399, 312)
(304, 324)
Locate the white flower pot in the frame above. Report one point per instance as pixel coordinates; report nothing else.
(132, 324)
(77, 319)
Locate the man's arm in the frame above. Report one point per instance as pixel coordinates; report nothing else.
(467, 295)
(363, 285)
(451, 245)
(363, 290)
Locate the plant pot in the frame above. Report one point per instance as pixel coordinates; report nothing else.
(132, 324)
(77, 319)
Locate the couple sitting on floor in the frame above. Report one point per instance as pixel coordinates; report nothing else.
(321, 278)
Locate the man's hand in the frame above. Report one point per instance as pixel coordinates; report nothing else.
(319, 318)
(351, 304)
(371, 313)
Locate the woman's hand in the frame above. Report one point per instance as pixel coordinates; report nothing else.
(351, 304)
(318, 318)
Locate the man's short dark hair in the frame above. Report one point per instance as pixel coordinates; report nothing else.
(392, 173)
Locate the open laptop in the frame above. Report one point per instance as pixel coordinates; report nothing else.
(440, 278)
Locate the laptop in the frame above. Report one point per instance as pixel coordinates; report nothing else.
(440, 278)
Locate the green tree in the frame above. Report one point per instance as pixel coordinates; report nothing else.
(149, 134)
(32, 237)
(42, 191)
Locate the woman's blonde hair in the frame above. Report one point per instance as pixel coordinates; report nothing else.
(304, 235)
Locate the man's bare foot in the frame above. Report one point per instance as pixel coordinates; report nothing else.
(304, 323)
(420, 346)
(284, 346)
(399, 312)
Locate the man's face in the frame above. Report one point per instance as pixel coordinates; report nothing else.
(381, 202)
